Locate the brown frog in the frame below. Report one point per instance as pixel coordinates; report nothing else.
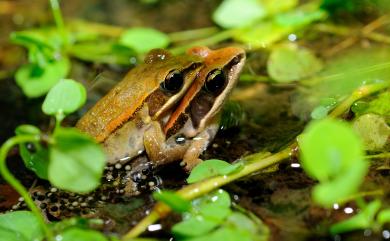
(169, 107)
(146, 95)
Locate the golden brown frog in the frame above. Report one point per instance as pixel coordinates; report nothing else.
(145, 95)
(139, 113)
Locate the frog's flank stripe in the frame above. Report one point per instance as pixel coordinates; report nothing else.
(122, 118)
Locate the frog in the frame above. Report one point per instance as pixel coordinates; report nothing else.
(146, 95)
(193, 124)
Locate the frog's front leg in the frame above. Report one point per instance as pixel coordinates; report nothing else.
(198, 144)
(160, 150)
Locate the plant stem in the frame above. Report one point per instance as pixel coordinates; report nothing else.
(191, 34)
(198, 189)
(254, 78)
(358, 94)
(218, 37)
(380, 155)
(56, 11)
(5, 148)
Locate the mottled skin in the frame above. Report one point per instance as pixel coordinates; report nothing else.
(196, 119)
(119, 119)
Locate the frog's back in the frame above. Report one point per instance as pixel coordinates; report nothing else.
(122, 102)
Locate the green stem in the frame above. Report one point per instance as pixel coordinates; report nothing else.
(5, 148)
(192, 34)
(198, 189)
(216, 38)
(254, 78)
(358, 94)
(380, 155)
(56, 11)
(345, 31)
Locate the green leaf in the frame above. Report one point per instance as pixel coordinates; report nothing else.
(384, 216)
(193, 226)
(173, 200)
(143, 40)
(48, 38)
(36, 160)
(23, 223)
(301, 17)
(257, 229)
(64, 98)
(269, 31)
(11, 235)
(300, 61)
(328, 147)
(206, 169)
(320, 112)
(219, 197)
(341, 187)
(76, 161)
(107, 52)
(215, 212)
(226, 234)
(373, 130)
(245, 12)
(380, 105)
(75, 234)
(36, 81)
(331, 152)
(364, 219)
(27, 130)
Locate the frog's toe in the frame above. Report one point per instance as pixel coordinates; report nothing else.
(189, 165)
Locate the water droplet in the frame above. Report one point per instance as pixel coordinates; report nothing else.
(348, 210)
(386, 234)
(154, 227)
(295, 165)
(292, 37)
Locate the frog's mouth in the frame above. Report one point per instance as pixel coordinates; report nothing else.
(206, 103)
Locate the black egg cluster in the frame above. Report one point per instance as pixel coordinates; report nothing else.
(118, 183)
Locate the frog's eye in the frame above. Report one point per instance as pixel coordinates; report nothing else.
(173, 82)
(215, 81)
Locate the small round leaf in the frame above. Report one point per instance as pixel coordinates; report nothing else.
(329, 147)
(173, 200)
(74, 234)
(23, 223)
(194, 226)
(210, 168)
(245, 12)
(65, 97)
(76, 161)
(36, 81)
(288, 63)
(143, 40)
(373, 130)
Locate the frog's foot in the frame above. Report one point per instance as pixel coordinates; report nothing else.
(188, 165)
